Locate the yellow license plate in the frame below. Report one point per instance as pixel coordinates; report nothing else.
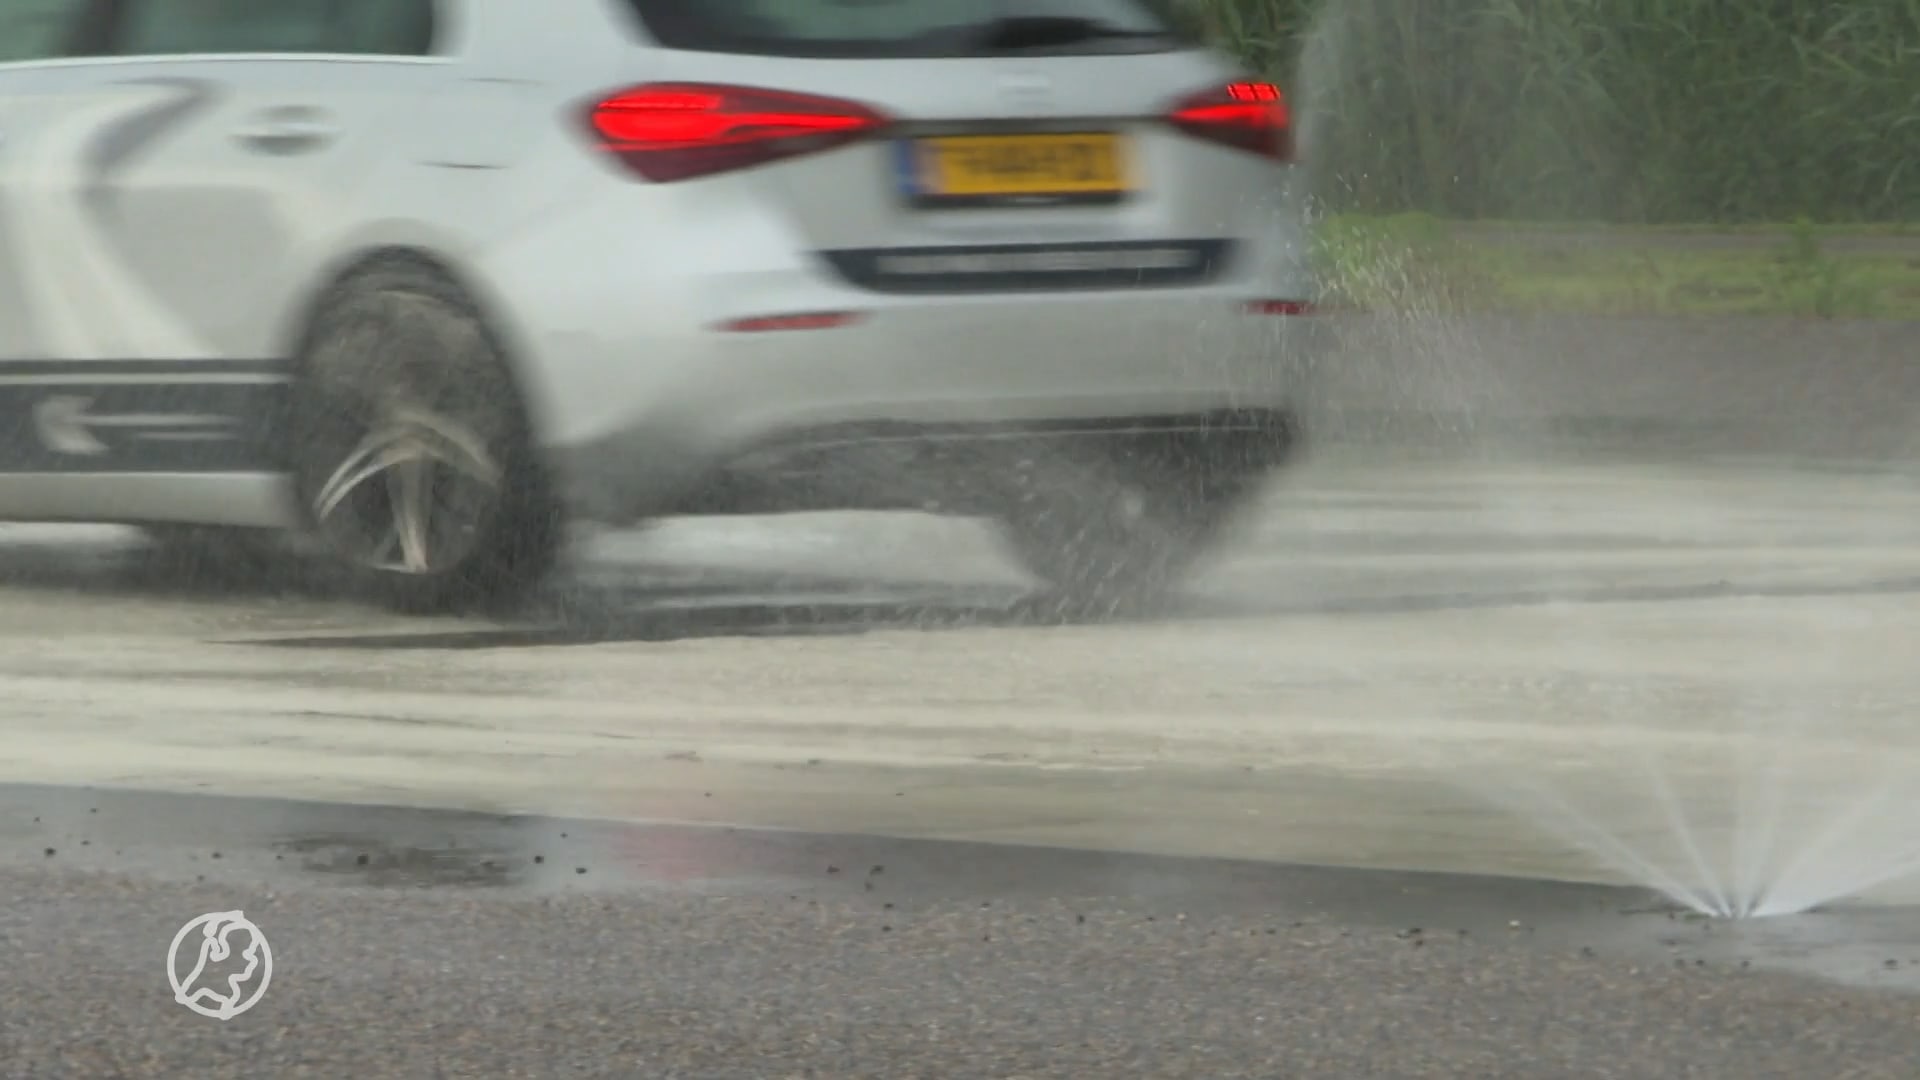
(992, 166)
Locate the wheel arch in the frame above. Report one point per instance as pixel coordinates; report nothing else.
(522, 529)
(488, 306)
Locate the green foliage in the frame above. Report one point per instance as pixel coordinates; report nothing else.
(1417, 264)
(1814, 282)
(1639, 111)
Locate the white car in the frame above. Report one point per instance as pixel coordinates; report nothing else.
(425, 280)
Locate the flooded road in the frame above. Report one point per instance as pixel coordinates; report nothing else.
(1382, 639)
(830, 793)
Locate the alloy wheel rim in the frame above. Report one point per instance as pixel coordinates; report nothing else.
(411, 495)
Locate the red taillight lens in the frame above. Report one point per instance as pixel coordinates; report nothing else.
(1280, 307)
(808, 320)
(678, 131)
(1249, 116)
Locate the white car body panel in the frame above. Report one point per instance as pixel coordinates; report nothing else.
(150, 256)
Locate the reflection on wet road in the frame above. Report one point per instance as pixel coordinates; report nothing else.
(254, 843)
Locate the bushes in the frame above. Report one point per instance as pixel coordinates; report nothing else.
(1622, 110)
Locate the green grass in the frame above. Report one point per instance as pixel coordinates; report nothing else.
(1901, 229)
(1418, 263)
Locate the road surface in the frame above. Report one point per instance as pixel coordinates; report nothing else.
(1387, 654)
(1382, 634)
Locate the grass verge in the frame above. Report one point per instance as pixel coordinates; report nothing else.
(1416, 262)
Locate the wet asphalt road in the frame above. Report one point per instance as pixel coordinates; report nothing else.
(1396, 631)
(1556, 622)
(1547, 621)
(411, 944)
(1339, 689)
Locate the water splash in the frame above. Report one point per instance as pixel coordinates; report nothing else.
(1800, 789)
(1742, 865)
(1765, 816)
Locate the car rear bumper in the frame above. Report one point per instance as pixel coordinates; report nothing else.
(904, 378)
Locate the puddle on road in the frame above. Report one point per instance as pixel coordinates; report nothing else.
(374, 861)
(289, 845)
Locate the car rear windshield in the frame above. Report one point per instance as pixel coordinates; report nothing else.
(912, 28)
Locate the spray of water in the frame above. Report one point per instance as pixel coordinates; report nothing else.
(1778, 812)
(1643, 821)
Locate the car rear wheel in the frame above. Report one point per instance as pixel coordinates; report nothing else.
(1115, 536)
(410, 448)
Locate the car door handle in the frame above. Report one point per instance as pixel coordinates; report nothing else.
(287, 131)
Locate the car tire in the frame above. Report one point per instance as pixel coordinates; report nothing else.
(1114, 537)
(411, 451)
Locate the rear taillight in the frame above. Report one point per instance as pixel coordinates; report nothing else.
(1280, 307)
(1249, 116)
(806, 320)
(677, 131)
